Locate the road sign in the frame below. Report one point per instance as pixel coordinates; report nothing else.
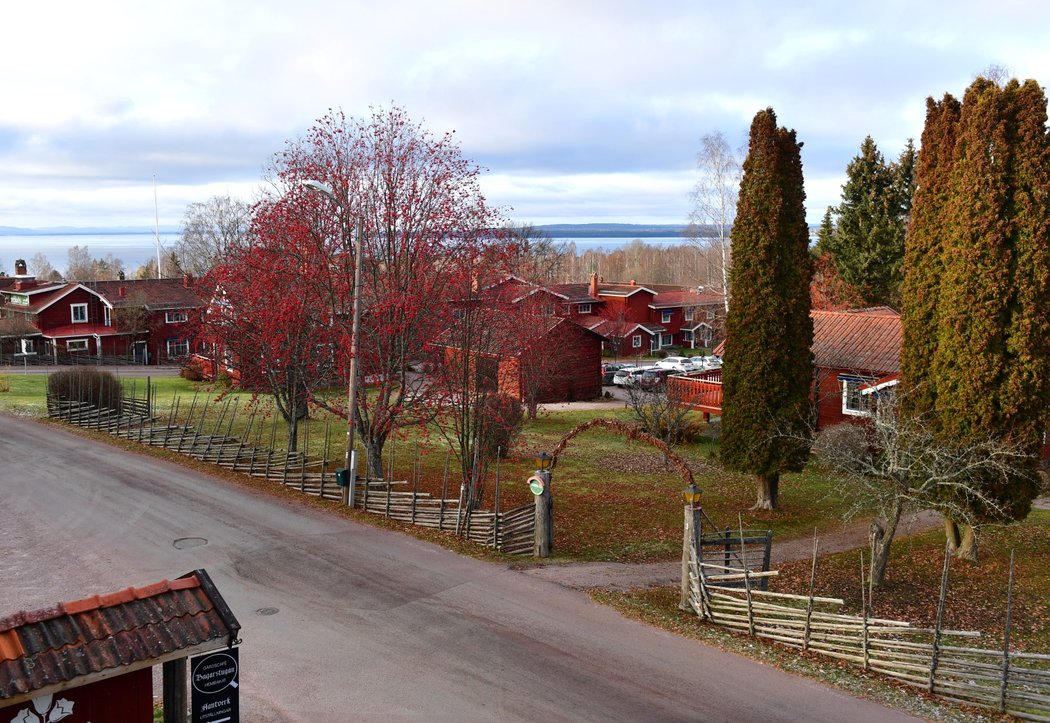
(214, 687)
(536, 485)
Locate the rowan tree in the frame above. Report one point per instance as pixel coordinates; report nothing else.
(270, 319)
(768, 363)
(418, 207)
(986, 367)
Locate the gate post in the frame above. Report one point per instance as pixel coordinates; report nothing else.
(690, 539)
(543, 540)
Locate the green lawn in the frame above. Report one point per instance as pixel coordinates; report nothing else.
(614, 498)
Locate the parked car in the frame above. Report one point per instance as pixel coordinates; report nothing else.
(679, 364)
(629, 377)
(654, 378)
(609, 370)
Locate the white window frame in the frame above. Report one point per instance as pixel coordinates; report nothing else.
(855, 404)
(77, 345)
(666, 340)
(636, 341)
(73, 308)
(584, 308)
(711, 313)
(107, 315)
(687, 336)
(174, 346)
(28, 347)
(665, 317)
(689, 312)
(176, 317)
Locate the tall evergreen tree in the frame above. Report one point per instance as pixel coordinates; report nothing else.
(923, 255)
(769, 364)
(985, 369)
(868, 243)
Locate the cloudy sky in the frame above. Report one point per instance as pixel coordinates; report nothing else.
(578, 111)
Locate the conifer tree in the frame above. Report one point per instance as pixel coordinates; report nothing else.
(976, 332)
(923, 258)
(769, 365)
(867, 245)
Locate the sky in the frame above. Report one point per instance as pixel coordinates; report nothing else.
(577, 111)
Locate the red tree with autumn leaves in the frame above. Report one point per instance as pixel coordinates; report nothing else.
(422, 218)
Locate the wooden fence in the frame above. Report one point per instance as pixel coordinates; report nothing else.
(934, 659)
(212, 441)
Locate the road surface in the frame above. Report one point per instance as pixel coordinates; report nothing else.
(343, 621)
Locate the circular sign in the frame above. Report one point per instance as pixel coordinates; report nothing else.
(536, 484)
(214, 673)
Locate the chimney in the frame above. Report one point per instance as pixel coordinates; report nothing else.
(632, 282)
(20, 267)
(593, 290)
(187, 280)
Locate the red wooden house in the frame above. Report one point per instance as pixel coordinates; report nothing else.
(634, 318)
(855, 353)
(143, 320)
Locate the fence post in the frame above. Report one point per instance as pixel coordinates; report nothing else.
(690, 526)
(1006, 638)
(544, 534)
(935, 654)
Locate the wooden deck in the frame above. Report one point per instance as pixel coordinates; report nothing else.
(701, 391)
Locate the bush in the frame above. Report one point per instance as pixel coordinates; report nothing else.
(192, 372)
(91, 386)
(5, 384)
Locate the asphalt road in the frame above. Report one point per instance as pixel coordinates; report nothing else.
(370, 624)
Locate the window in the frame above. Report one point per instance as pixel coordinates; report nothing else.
(73, 345)
(666, 340)
(28, 346)
(79, 313)
(711, 313)
(666, 316)
(175, 317)
(178, 348)
(689, 312)
(636, 341)
(108, 314)
(459, 314)
(687, 336)
(585, 308)
(705, 333)
(854, 403)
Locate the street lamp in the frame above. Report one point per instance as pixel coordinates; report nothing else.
(355, 335)
(691, 495)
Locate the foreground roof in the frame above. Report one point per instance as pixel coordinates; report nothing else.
(74, 643)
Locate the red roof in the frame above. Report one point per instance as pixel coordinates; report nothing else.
(129, 629)
(685, 297)
(154, 294)
(867, 340)
(78, 330)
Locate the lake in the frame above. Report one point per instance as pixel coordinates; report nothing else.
(135, 249)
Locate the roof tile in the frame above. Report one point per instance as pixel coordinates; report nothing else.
(102, 632)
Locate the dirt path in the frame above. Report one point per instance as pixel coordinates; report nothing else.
(627, 576)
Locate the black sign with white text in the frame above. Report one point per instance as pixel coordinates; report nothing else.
(214, 681)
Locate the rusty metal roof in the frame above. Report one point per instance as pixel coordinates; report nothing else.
(867, 340)
(130, 628)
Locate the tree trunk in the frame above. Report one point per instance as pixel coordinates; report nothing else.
(962, 539)
(768, 490)
(532, 406)
(374, 459)
(882, 538)
(293, 434)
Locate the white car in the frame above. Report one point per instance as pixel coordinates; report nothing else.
(679, 364)
(629, 377)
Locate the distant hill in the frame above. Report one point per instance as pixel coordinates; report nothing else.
(611, 230)
(82, 231)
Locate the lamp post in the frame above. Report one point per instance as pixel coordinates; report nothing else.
(355, 335)
(690, 538)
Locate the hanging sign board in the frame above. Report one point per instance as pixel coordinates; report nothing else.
(536, 485)
(214, 687)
